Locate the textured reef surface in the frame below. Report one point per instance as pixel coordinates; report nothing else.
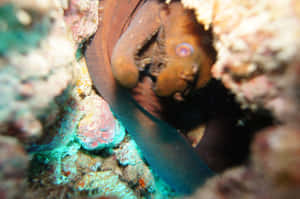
(257, 45)
(59, 138)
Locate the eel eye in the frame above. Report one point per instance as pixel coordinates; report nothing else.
(184, 49)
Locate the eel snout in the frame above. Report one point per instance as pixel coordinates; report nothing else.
(124, 70)
(141, 27)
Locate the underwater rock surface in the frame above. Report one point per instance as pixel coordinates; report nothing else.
(257, 47)
(257, 44)
(49, 107)
(98, 128)
(50, 113)
(14, 162)
(82, 18)
(33, 71)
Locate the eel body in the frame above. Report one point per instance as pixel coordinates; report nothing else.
(166, 150)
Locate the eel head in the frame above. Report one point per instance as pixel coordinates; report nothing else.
(165, 43)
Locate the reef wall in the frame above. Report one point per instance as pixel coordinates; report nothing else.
(257, 45)
(58, 138)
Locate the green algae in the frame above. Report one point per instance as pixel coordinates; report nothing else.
(15, 36)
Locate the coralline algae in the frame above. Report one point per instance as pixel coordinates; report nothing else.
(106, 183)
(82, 18)
(127, 154)
(31, 84)
(257, 45)
(135, 172)
(98, 128)
(33, 76)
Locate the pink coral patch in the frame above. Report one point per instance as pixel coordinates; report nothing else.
(98, 126)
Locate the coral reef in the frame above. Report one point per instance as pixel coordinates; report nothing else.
(13, 167)
(276, 152)
(107, 183)
(98, 128)
(273, 172)
(62, 115)
(82, 17)
(33, 71)
(59, 138)
(14, 35)
(127, 154)
(257, 44)
(135, 172)
(34, 79)
(83, 81)
(91, 175)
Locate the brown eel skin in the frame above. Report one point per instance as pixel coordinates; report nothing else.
(165, 149)
(183, 63)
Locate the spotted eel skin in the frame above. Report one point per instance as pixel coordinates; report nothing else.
(165, 149)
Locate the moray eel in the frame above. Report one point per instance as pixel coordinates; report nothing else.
(165, 149)
(183, 63)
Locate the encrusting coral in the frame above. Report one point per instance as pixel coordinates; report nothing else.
(51, 116)
(257, 47)
(34, 72)
(34, 77)
(98, 128)
(257, 44)
(81, 27)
